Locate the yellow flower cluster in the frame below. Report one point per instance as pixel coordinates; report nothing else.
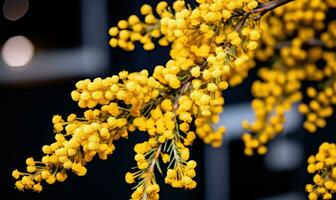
(182, 173)
(134, 30)
(213, 46)
(165, 140)
(210, 50)
(329, 36)
(323, 166)
(79, 139)
(321, 105)
(297, 19)
(299, 42)
(274, 96)
(293, 61)
(147, 157)
(134, 89)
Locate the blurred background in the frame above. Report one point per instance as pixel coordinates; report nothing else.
(47, 46)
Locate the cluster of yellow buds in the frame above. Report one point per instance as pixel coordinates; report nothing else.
(321, 105)
(207, 55)
(299, 40)
(213, 45)
(135, 89)
(132, 30)
(299, 19)
(147, 156)
(274, 96)
(79, 139)
(212, 48)
(166, 142)
(181, 175)
(323, 166)
(297, 60)
(329, 36)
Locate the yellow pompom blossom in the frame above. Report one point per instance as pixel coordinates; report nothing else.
(323, 166)
(294, 36)
(213, 46)
(79, 139)
(300, 41)
(321, 105)
(208, 53)
(274, 97)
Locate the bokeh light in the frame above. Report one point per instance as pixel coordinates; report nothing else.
(17, 51)
(15, 9)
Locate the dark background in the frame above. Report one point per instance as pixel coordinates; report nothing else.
(27, 109)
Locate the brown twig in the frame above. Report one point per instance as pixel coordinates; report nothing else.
(151, 167)
(310, 43)
(241, 22)
(266, 7)
(262, 9)
(156, 156)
